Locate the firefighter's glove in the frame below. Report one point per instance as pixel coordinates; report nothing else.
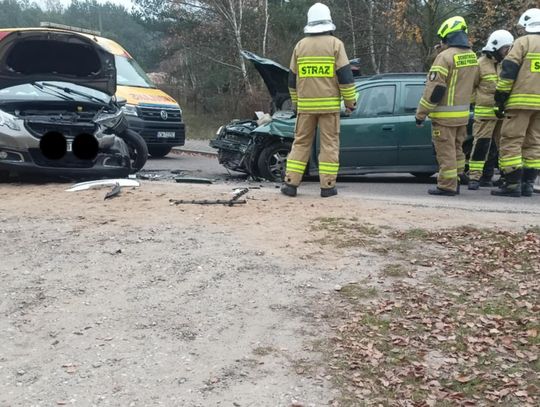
(419, 122)
(499, 112)
(500, 102)
(350, 108)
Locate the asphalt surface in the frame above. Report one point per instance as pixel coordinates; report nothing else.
(400, 189)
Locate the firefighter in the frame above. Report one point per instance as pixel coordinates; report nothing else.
(446, 100)
(486, 124)
(518, 98)
(320, 75)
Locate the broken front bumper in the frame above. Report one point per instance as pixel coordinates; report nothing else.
(234, 147)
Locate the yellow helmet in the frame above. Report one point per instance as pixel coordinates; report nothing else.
(452, 25)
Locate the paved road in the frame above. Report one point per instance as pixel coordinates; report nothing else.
(395, 188)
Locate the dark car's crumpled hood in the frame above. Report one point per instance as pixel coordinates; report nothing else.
(32, 55)
(274, 75)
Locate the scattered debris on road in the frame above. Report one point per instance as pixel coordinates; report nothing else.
(238, 193)
(83, 186)
(115, 191)
(193, 180)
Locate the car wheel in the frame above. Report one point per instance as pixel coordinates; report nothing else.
(159, 151)
(422, 174)
(138, 150)
(271, 161)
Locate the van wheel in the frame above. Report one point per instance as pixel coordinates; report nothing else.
(159, 151)
(271, 161)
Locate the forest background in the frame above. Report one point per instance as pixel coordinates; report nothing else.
(195, 44)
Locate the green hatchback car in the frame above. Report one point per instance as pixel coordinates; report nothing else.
(379, 137)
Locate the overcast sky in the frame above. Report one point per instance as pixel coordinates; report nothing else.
(126, 3)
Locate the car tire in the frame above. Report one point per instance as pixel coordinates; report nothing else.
(138, 149)
(159, 151)
(271, 161)
(422, 175)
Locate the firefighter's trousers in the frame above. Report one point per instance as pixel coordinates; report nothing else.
(520, 140)
(485, 131)
(448, 142)
(306, 128)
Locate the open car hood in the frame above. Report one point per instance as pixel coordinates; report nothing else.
(48, 55)
(275, 76)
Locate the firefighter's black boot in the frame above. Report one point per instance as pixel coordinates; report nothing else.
(328, 192)
(443, 192)
(463, 178)
(527, 185)
(511, 186)
(485, 181)
(289, 190)
(474, 185)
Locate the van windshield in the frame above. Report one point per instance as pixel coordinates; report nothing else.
(129, 73)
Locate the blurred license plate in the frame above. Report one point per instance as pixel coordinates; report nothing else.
(166, 134)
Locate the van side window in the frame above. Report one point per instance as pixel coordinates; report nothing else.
(376, 101)
(413, 93)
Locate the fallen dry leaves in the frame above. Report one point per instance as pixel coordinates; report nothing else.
(467, 334)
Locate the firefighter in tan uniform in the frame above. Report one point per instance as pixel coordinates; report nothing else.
(518, 96)
(320, 76)
(487, 126)
(446, 100)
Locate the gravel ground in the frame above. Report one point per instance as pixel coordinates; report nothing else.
(135, 302)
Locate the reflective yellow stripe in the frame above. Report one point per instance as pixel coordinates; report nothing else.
(316, 58)
(317, 99)
(476, 165)
(452, 90)
(298, 167)
(449, 174)
(535, 164)
(319, 103)
(490, 78)
(449, 115)
(533, 55)
(296, 162)
(505, 85)
(294, 94)
(516, 161)
(440, 69)
(524, 100)
(484, 111)
(328, 168)
(427, 105)
(322, 104)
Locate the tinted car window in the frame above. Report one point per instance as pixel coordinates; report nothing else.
(376, 101)
(413, 93)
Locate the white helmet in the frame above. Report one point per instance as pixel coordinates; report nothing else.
(319, 20)
(497, 40)
(530, 20)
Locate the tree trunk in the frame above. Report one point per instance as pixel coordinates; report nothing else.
(265, 33)
(371, 38)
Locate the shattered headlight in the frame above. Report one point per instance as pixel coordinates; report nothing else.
(109, 120)
(9, 121)
(130, 110)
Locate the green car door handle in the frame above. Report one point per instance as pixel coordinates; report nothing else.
(389, 127)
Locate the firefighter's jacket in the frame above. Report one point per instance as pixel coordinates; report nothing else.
(520, 75)
(485, 84)
(320, 75)
(449, 87)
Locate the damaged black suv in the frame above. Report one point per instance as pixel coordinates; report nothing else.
(58, 113)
